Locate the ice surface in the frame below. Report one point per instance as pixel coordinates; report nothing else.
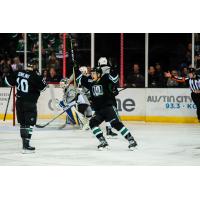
(159, 144)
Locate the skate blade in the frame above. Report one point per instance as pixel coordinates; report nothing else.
(24, 151)
(133, 148)
(104, 148)
(112, 137)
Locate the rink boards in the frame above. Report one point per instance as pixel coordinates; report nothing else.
(150, 105)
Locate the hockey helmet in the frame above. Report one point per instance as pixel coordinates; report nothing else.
(33, 64)
(102, 61)
(97, 69)
(191, 70)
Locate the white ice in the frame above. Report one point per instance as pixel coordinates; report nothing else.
(158, 144)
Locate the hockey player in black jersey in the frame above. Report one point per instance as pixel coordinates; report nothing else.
(105, 66)
(104, 104)
(193, 81)
(84, 71)
(29, 84)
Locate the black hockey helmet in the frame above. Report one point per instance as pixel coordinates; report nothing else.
(33, 63)
(97, 69)
(191, 70)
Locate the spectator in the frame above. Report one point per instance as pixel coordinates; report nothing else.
(135, 79)
(154, 81)
(159, 70)
(4, 68)
(17, 65)
(184, 73)
(53, 77)
(159, 73)
(188, 55)
(53, 62)
(171, 82)
(45, 74)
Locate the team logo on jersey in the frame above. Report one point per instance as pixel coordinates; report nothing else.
(97, 90)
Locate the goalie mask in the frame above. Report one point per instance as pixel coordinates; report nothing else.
(64, 83)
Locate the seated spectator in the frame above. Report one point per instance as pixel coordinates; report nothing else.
(5, 67)
(135, 79)
(171, 82)
(154, 80)
(53, 77)
(159, 70)
(17, 65)
(45, 74)
(184, 73)
(53, 62)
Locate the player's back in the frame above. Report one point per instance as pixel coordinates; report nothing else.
(28, 83)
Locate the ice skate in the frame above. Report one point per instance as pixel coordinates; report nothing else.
(110, 134)
(27, 149)
(132, 144)
(103, 144)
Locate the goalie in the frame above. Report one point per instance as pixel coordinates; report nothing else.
(76, 104)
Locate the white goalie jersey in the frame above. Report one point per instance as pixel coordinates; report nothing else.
(75, 94)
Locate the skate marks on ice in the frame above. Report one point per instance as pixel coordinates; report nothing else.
(158, 144)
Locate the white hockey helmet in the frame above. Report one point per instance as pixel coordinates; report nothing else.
(64, 83)
(102, 61)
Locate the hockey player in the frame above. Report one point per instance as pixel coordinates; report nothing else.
(104, 105)
(105, 66)
(193, 81)
(84, 71)
(29, 85)
(73, 97)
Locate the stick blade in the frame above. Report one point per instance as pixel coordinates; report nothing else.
(40, 126)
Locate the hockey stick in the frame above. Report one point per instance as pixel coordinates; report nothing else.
(73, 60)
(4, 118)
(42, 126)
(122, 89)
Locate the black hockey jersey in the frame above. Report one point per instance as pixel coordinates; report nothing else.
(101, 90)
(29, 84)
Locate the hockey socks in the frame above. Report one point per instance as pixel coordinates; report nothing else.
(99, 135)
(26, 133)
(127, 135)
(97, 132)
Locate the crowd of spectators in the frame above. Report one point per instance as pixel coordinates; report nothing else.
(52, 63)
(156, 78)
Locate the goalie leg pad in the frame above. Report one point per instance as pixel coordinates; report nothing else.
(72, 116)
